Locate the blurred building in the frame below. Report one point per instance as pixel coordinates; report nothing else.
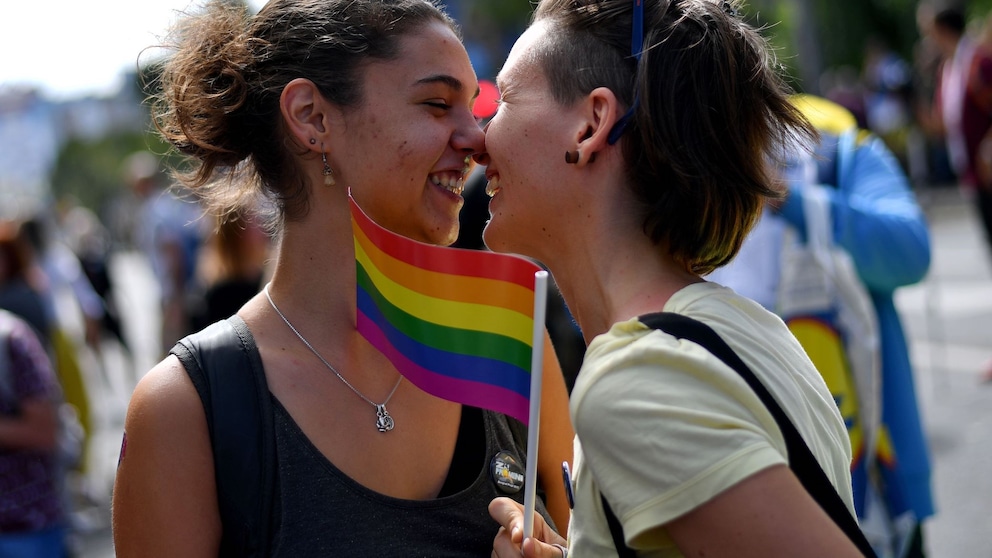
(34, 128)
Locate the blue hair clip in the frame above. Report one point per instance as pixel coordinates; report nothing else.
(636, 47)
(621, 125)
(637, 30)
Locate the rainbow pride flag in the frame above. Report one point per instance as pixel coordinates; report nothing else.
(458, 324)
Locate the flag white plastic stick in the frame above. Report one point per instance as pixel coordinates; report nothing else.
(534, 421)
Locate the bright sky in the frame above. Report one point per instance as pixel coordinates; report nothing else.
(70, 48)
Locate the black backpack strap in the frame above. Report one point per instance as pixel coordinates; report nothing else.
(616, 531)
(226, 370)
(801, 459)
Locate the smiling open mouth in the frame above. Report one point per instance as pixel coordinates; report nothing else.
(451, 182)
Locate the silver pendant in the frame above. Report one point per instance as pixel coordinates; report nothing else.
(384, 422)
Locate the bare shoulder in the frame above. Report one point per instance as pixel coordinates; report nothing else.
(166, 410)
(167, 389)
(165, 501)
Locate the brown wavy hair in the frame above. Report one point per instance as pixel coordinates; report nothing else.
(712, 115)
(220, 87)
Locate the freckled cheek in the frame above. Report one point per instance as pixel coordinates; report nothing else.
(510, 144)
(505, 136)
(526, 143)
(407, 158)
(526, 152)
(403, 151)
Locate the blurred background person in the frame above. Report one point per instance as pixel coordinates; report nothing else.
(75, 312)
(962, 107)
(69, 290)
(168, 232)
(90, 241)
(230, 269)
(32, 516)
(843, 86)
(888, 81)
(35, 292)
(20, 284)
(962, 112)
(930, 166)
(878, 222)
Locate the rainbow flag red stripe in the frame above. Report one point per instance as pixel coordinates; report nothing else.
(457, 323)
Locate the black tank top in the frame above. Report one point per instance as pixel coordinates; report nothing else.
(323, 512)
(317, 510)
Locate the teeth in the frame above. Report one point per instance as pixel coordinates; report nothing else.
(492, 187)
(449, 183)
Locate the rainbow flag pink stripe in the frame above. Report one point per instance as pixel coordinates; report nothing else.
(457, 323)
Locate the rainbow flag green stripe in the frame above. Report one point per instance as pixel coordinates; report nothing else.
(490, 371)
(451, 339)
(475, 382)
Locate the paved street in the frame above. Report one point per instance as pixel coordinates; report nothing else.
(948, 318)
(137, 298)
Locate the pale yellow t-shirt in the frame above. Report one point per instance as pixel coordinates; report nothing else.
(665, 426)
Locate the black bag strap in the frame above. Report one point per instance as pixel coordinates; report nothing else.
(226, 370)
(616, 531)
(801, 459)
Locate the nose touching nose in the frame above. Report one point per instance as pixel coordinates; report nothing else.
(473, 142)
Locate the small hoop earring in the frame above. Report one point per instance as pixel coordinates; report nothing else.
(327, 171)
(571, 157)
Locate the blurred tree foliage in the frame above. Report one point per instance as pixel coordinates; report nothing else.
(90, 169)
(502, 15)
(811, 36)
(980, 8)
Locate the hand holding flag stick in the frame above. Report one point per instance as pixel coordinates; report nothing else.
(463, 325)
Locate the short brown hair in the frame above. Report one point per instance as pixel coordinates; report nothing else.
(220, 88)
(713, 113)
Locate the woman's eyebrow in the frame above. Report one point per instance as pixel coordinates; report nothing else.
(452, 82)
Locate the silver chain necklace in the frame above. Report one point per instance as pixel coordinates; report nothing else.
(384, 422)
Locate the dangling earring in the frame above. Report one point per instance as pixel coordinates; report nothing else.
(328, 172)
